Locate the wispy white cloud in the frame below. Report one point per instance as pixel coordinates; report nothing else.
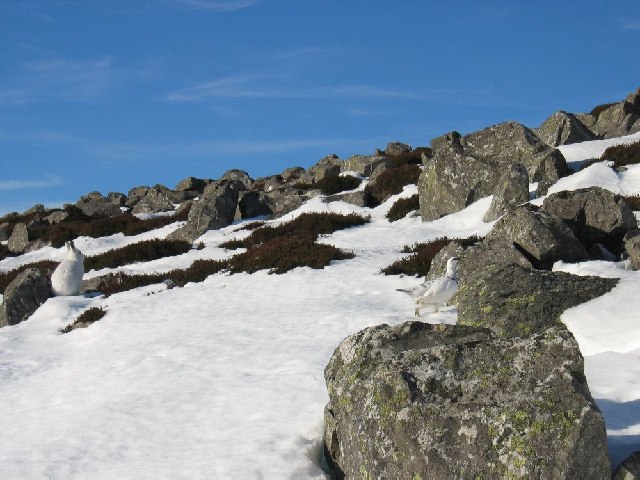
(631, 25)
(48, 181)
(279, 86)
(218, 5)
(58, 79)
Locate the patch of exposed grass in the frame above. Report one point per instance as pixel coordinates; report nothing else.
(390, 182)
(633, 201)
(85, 319)
(137, 252)
(308, 225)
(47, 266)
(622, 155)
(419, 263)
(402, 207)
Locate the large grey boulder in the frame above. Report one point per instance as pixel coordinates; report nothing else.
(396, 148)
(354, 198)
(629, 469)
(19, 239)
(117, 198)
(619, 119)
(328, 167)
(513, 300)
(418, 401)
(239, 177)
(191, 184)
(252, 204)
(215, 209)
(511, 191)
(563, 128)
(96, 205)
(153, 200)
(595, 215)
(58, 216)
(23, 296)
(465, 169)
(543, 238)
(292, 173)
(283, 201)
(362, 164)
(632, 247)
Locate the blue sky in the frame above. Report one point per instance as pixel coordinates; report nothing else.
(107, 95)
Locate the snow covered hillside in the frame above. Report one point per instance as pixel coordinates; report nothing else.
(224, 379)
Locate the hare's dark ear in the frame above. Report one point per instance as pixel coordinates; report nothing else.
(71, 245)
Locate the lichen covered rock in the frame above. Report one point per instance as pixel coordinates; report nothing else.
(23, 296)
(514, 300)
(564, 128)
(541, 237)
(595, 215)
(435, 401)
(465, 169)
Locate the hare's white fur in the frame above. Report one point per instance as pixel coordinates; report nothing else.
(67, 276)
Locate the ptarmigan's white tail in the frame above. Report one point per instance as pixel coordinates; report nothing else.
(67, 277)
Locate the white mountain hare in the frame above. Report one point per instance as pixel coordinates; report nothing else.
(67, 276)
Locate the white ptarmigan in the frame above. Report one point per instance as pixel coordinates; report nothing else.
(67, 276)
(435, 292)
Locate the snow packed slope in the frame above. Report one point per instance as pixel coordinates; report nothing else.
(224, 379)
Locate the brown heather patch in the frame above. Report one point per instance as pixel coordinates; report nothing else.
(278, 255)
(308, 224)
(137, 252)
(390, 182)
(85, 319)
(622, 155)
(633, 201)
(419, 263)
(402, 207)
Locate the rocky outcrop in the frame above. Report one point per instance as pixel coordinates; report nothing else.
(328, 167)
(215, 209)
(595, 215)
(629, 469)
(354, 198)
(632, 247)
(438, 401)
(252, 204)
(465, 169)
(95, 205)
(191, 184)
(542, 238)
(19, 239)
(511, 191)
(563, 128)
(396, 148)
(152, 200)
(23, 296)
(513, 300)
(614, 119)
(362, 164)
